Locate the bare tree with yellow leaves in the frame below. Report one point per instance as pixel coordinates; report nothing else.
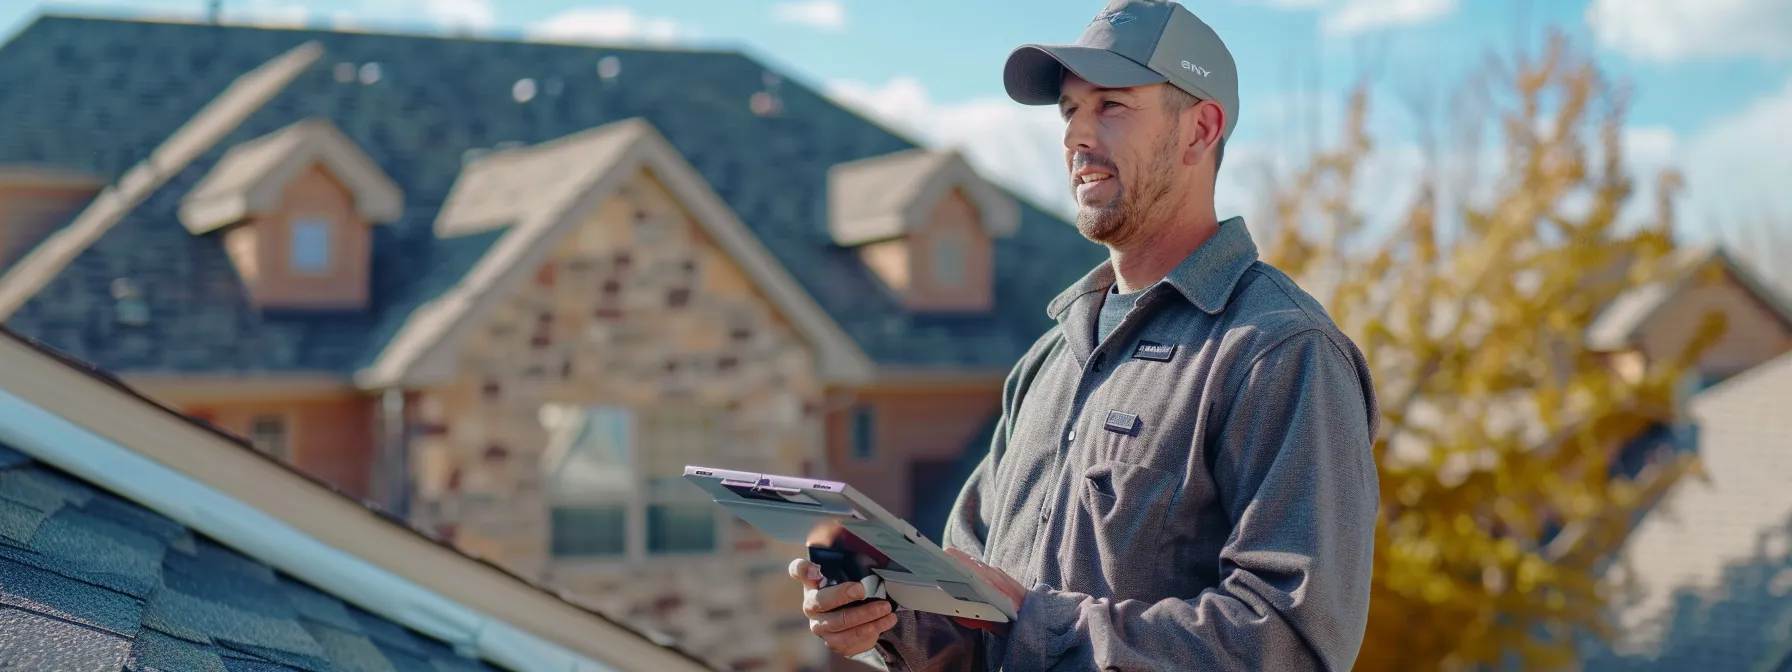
(1500, 426)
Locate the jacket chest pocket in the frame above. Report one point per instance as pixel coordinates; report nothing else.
(1126, 508)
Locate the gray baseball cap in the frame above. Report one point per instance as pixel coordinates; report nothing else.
(1132, 43)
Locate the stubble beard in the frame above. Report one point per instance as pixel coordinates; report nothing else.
(1131, 211)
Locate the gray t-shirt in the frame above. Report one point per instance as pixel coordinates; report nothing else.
(1114, 307)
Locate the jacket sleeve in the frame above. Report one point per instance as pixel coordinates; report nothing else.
(1293, 465)
(924, 641)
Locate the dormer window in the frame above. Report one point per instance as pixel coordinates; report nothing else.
(294, 209)
(311, 245)
(924, 222)
(948, 258)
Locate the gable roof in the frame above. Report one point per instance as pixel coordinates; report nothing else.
(1622, 320)
(436, 99)
(883, 197)
(544, 193)
(93, 428)
(251, 177)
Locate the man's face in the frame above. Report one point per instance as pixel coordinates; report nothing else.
(1123, 150)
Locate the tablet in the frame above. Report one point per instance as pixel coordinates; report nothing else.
(853, 539)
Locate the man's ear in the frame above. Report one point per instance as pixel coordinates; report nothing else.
(1203, 124)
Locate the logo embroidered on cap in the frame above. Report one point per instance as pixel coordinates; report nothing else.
(1156, 352)
(1196, 69)
(1122, 423)
(1115, 18)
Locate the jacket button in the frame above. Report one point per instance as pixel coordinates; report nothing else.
(1070, 436)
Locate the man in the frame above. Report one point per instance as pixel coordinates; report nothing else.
(1182, 476)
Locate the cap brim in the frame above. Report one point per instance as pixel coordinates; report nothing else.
(1035, 72)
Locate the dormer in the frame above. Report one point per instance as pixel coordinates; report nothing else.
(925, 222)
(294, 209)
(1658, 320)
(35, 201)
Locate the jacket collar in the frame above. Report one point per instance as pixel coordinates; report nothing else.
(1206, 277)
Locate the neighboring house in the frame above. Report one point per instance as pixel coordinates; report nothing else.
(133, 537)
(1712, 563)
(1656, 321)
(508, 289)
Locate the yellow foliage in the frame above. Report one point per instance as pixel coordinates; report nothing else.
(1499, 425)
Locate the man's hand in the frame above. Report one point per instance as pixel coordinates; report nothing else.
(997, 578)
(847, 632)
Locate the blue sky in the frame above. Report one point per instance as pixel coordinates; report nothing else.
(1711, 79)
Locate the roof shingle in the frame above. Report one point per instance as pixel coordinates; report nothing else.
(436, 99)
(89, 581)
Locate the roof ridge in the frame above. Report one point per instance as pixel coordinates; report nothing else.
(245, 95)
(375, 29)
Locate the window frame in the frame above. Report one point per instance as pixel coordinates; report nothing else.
(293, 244)
(640, 498)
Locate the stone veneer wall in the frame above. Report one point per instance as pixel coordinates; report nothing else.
(639, 307)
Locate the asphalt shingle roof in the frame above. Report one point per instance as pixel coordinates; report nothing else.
(99, 94)
(92, 582)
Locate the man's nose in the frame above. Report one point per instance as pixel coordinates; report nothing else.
(1079, 133)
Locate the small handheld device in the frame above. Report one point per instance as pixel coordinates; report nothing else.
(852, 538)
(840, 566)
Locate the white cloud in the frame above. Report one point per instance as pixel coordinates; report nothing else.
(822, 14)
(1295, 4)
(1736, 167)
(606, 24)
(1349, 17)
(272, 13)
(1670, 30)
(1017, 145)
(473, 14)
(454, 15)
(1358, 16)
(1020, 146)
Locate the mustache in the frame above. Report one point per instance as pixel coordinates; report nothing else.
(1082, 160)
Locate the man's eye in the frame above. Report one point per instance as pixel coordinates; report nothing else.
(1109, 104)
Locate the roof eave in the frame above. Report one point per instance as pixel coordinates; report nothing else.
(206, 215)
(74, 420)
(377, 198)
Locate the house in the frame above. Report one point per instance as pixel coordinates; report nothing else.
(1711, 563)
(134, 537)
(1656, 321)
(506, 289)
